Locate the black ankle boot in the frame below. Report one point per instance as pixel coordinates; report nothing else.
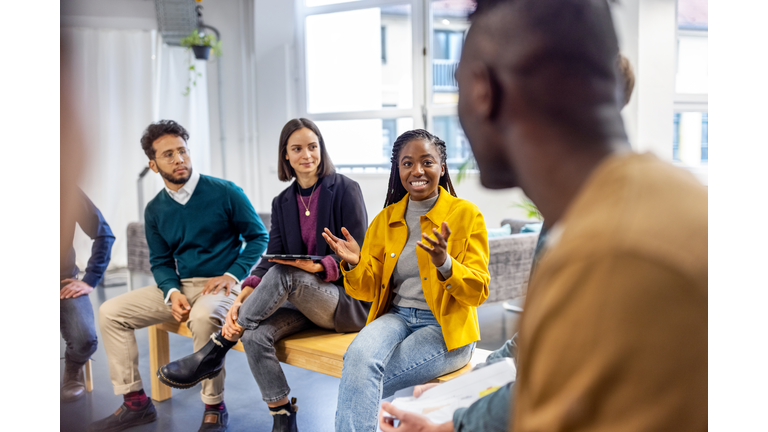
(190, 370)
(284, 420)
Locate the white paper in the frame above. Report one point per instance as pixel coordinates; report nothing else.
(439, 403)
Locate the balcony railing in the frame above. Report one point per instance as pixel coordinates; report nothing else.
(443, 75)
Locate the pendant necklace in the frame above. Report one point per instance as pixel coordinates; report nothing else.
(306, 207)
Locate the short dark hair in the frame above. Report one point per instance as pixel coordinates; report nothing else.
(285, 171)
(569, 73)
(159, 129)
(396, 191)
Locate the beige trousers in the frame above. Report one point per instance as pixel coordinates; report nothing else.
(120, 316)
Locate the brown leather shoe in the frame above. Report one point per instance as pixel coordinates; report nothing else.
(73, 387)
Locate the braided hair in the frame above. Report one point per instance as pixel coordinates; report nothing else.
(396, 191)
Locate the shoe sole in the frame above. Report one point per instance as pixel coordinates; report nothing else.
(176, 385)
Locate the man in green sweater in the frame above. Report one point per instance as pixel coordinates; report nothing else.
(195, 228)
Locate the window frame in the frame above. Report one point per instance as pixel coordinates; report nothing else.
(689, 102)
(422, 111)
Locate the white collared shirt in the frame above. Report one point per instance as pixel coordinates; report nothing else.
(182, 196)
(185, 192)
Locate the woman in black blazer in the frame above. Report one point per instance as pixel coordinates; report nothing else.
(283, 297)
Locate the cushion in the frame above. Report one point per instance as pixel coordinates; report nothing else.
(531, 228)
(502, 231)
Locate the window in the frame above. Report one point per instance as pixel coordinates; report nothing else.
(690, 141)
(373, 69)
(456, 143)
(690, 146)
(344, 68)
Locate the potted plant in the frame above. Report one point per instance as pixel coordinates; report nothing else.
(202, 45)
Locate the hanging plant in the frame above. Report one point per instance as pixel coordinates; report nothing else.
(201, 46)
(192, 82)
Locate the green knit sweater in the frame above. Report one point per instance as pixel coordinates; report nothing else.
(203, 238)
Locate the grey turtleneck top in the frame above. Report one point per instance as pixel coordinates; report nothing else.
(405, 277)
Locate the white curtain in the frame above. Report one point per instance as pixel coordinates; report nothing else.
(191, 111)
(123, 80)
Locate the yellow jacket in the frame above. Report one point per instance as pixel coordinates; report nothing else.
(452, 301)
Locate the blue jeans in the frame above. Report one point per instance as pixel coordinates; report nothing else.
(77, 328)
(287, 301)
(402, 348)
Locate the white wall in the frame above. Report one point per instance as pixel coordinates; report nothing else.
(646, 32)
(656, 76)
(238, 67)
(115, 14)
(276, 82)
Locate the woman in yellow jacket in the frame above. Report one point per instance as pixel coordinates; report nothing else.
(423, 289)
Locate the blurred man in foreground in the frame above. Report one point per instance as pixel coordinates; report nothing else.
(614, 333)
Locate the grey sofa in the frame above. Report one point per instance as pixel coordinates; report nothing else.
(509, 262)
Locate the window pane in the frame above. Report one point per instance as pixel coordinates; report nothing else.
(359, 60)
(448, 129)
(690, 142)
(362, 142)
(692, 68)
(449, 24)
(693, 14)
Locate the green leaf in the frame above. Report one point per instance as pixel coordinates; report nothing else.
(469, 163)
(532, 212)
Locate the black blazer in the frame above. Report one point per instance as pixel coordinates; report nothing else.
(340, 204)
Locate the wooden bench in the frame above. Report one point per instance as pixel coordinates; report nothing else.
(316, 350)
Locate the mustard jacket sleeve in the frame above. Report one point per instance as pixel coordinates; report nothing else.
(361, 282)
(469, 282)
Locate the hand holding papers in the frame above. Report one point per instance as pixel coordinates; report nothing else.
(439, 403)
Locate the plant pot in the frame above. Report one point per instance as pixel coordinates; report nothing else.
(201, 51)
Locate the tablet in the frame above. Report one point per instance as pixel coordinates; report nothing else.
(292, 257)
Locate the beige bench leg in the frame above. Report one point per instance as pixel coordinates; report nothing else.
(159, 355)
(88, 376)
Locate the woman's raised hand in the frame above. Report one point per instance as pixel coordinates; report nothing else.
(438, 250)
(347, 249)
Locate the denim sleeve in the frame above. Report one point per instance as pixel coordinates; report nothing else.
(509, 349)
(487, 414)
(92, 223)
